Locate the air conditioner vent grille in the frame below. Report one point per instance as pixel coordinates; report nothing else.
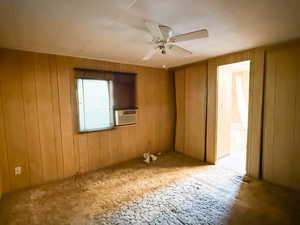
(125, 117)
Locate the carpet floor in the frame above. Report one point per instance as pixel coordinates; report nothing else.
(174, 190)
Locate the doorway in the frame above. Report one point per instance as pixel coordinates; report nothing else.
(232, 115)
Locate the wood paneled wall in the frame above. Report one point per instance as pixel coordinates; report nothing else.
(37, 119)
(281, 139)
(196, 104)
(274, 106)
(1, 189)
(191, 93)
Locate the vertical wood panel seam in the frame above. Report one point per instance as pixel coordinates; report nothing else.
(24, 118)
(59, 114)
(186, 118)
(53, 114)
(59, 109)
(37, 110)
(273, 116)
(184, 105)
(70, 79)
(295, 106)
(71, 93)
(275, 108)
(9, 167)
(206, 112)
(261, 155)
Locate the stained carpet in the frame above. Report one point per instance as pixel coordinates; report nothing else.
(174, 190)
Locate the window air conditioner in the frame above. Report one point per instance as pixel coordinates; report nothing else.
(125, 117)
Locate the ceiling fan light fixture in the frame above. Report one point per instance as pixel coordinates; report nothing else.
(163, 36)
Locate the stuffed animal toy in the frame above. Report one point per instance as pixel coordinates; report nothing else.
(148, 157)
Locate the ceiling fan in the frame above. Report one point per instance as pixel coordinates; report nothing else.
(165, 40)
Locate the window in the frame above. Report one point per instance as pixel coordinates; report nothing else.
(101, 93)
(95, 105)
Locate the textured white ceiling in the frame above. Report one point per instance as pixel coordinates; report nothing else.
(113, 29)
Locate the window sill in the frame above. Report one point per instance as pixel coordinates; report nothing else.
(126, 125)
(97, 130)
(107, 129)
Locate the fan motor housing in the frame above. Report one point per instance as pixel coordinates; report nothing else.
(166, 31)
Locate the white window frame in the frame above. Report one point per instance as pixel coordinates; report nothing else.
(111, 104)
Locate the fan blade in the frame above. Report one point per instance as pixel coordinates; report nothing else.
(179, 50)
(154, 30)
(131, 4)
(150, 54)
(190, 36)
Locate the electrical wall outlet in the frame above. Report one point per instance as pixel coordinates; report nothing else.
(18, 170)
